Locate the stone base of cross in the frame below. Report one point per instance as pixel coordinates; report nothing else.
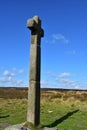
(22, 127)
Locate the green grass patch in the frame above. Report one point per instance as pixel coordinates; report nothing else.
(64, 115)
(13, 111)
(64, 110)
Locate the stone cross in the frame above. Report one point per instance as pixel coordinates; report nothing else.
(33, 114)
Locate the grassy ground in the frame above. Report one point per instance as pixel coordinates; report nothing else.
(64, 110)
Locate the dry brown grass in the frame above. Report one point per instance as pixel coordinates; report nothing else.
(13, 93)
(63, 95)
(46, 94)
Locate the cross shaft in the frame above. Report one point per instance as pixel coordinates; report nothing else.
(33, 115)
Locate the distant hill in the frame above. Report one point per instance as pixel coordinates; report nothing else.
(22, 92)
(13, 92)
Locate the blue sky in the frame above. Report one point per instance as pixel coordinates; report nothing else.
(63, 48)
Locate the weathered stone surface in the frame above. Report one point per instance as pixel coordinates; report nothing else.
(21, 127)
(47, 128)
(17, 127)
(34, 25)
(33, 114)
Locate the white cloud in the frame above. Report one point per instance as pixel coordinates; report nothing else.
(10, 79)
(71, 52)
(59, 37)
(6, 80)
(56, 38)
(65, 74)
(51, 74)
(64, 80)
(21, 71)
(70, 84)
(3, 80)
(9, 74)
(19, 82)
(48, 84)
(44, 82)
(16, 82)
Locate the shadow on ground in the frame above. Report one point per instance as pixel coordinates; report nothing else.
(5, 116)
(58, 121)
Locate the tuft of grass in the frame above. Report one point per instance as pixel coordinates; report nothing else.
(13, 111)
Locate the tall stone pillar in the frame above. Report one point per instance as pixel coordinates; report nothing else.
(33, 114)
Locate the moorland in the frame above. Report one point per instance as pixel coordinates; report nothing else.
(60, 108)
